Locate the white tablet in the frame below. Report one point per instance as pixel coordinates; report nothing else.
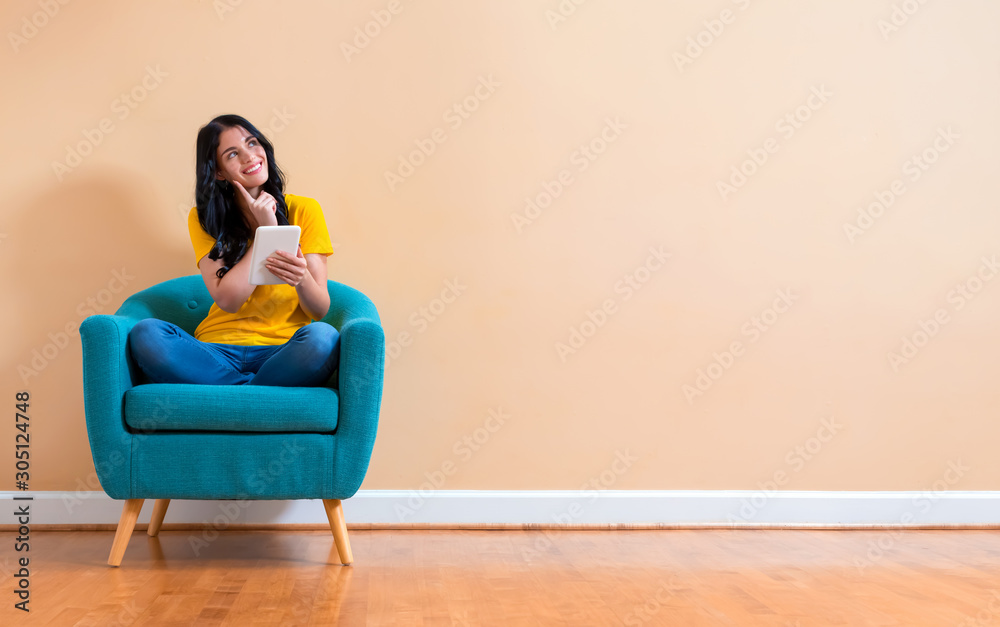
(266, 241)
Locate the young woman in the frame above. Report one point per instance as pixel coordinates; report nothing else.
(253, 334)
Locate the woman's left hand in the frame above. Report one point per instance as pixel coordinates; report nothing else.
(289, 268)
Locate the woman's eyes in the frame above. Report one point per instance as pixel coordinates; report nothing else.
(232, 153)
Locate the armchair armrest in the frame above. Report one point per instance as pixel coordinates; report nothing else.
(362, 366)
(107, 374)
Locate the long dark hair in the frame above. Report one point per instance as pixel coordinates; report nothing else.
(218, 212)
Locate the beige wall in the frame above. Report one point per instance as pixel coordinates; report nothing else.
(681, 127)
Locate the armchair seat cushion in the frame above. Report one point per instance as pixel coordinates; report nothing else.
(154, 407)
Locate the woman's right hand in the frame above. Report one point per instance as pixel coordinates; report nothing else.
(262, 208)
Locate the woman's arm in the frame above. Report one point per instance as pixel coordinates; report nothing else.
(232, 290)
(307, 273)
(314, 296)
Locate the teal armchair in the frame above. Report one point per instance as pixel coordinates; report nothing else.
(183, 441)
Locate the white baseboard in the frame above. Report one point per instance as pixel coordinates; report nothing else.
(739, 508)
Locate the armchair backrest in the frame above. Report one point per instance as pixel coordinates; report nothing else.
(185, 301)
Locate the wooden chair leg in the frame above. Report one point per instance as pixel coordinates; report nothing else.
(335, 513)
(130, 512)
(159, 511)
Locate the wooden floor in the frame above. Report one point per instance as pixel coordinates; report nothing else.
(787, 578)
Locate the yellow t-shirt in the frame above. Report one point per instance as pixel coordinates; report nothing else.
(272, 314)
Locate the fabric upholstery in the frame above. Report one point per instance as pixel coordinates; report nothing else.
(182, 407)
(325, 457)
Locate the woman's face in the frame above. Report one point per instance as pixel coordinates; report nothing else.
(240, 157)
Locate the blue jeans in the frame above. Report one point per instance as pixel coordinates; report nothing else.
(167, 353)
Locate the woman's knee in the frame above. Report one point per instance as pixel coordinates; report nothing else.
(145, 333)
(319, 334)
(147, 337)
(321, 343)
